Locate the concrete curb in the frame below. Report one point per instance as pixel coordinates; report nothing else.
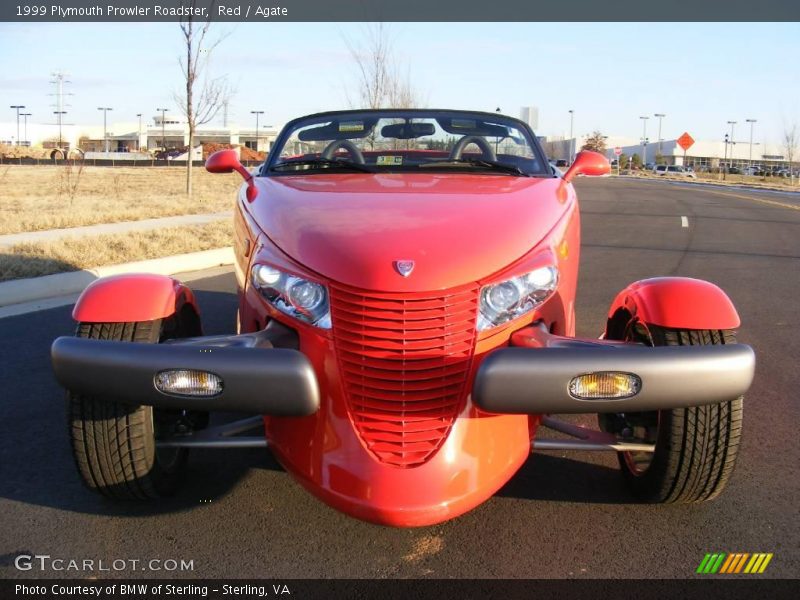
(38, 289)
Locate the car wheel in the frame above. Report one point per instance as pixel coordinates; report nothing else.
(695, 447)
(114, 444)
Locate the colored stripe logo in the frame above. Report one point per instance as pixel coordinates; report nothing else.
(734, 563)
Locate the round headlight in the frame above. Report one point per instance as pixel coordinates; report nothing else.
(265, 275)
(306, 295)
(507, 300)
(503, 296)
(542, 278)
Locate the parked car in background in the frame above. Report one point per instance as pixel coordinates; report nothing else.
(679, 171)
(674, 170)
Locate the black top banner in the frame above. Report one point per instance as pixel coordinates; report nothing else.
(399, 10)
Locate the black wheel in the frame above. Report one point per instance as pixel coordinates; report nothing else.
(695, 448)
(114, 444)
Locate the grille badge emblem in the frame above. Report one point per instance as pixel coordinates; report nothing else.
(404, 267)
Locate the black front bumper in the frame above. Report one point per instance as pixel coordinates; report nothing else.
(257, 377)
(535, 379)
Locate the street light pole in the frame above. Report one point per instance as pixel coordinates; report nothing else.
(644, 140)
(60, 114)
(732, 141)
(25, 125)
(725, 161)
(659, 116)
(571, 122)
(139, 139)
(17, 106)
(105, 110)
(163, 112)
(751, 121)
(256, 113)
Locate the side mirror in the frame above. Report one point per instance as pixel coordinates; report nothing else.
(226, 161)
(588, 163)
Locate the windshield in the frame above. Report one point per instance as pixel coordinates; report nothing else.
(406, 141)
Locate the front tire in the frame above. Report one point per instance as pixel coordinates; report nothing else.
(696, 447)
(114, 444)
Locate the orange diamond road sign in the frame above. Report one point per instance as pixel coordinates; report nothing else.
(685, 141)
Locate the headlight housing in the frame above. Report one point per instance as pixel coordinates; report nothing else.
(507, 300)
(297, 297)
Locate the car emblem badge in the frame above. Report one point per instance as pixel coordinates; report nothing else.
(404, 267)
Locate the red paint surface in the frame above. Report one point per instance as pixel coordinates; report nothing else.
(350, 454)
(588, 163)
(327, 456)
(226, 161)
(458, 229)
(678, 302)
(130, 298)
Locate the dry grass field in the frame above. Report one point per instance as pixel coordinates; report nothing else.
(772, 183)
(34, 198)
(72, 254)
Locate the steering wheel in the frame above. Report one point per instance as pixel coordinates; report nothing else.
(355, 153)
(486, 149)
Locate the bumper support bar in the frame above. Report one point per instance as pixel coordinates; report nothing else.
(221, 436)
(587, 439)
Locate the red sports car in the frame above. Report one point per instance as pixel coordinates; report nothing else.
(406, 321)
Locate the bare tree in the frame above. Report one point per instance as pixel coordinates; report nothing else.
(380, 83)
(402, 93)
(203, 95)
(790, 143)
(595, 142)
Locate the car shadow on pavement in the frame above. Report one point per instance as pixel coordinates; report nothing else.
(554, 478)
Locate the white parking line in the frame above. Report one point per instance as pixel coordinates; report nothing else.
(684, 222)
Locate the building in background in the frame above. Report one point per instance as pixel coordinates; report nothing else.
(703, 154)
(171, 133)
(530, 114)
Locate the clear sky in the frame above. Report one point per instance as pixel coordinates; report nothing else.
(701, 75)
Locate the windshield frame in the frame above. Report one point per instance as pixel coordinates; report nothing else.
(266, 168)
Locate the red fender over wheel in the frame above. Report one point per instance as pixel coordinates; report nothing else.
(132, 298)
(677, 303)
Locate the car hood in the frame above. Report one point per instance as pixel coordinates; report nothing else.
(457, 228)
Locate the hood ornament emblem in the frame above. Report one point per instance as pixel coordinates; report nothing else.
(404, 267)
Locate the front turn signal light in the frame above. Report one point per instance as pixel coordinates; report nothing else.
(605, 385)
(188, 382)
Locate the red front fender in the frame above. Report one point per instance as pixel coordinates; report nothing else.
(678, 303)
(132, 298)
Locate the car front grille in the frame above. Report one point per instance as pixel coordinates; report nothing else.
(405, 360)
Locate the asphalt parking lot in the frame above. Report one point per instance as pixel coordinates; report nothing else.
(563, 515)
